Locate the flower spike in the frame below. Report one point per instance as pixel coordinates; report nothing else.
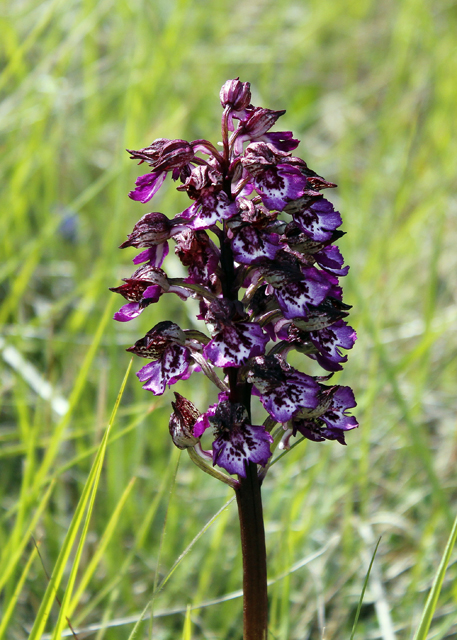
(258, 243)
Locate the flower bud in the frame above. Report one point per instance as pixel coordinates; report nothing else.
(153, 228)
(164, 154)
(260, 121)
(156, 340)
(182, 420)
(235, 94)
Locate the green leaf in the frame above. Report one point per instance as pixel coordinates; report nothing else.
(365, 583)
(86, 501)
(433, 596)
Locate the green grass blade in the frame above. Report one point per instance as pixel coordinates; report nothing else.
(85, 500)
(432, 600)
(107, 535)
(187, 631)
(75, 395)
(191, 544)
(8, 610)
(151, 601)
(365, 583)
(63, 614)
(159, 587)
(13, 556)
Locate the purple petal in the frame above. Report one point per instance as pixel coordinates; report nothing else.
(285, 399)
(172, 366)
(330, 259)
(281, 140)
(152, 293)
(250, 245)
(294, 297)
(128, 312)
(213, 208)
(258, 122)
(188, 213)
(203, 422)
(319, 220)
(335, 417)
(235, 344)
(147, 186)
(279, 185)
(329, 341)
(154, 255)
(318, 434)
(331, 424)
(245, 443)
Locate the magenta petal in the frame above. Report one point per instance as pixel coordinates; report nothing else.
(155, 255)
(147, 186)
(168, 369)
(152, 293)
(128, 312)
(245, 443)
(201, 425)
(203, 422)
(235, 344)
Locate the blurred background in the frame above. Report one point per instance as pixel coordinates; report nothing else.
(370, 90)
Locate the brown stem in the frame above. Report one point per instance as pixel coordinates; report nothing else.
(255, 600)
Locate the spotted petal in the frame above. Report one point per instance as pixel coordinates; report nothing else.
(168, 369)
(250, 245)
(283, 390)
(294, 297)
(328, 341)
(318, 220)
(335, 417)
(211, 209)
(332, 424)
(203, 421)
(235, 343)
(279, 185)
(234, 450)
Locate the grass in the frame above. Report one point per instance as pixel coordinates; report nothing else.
(370, 90)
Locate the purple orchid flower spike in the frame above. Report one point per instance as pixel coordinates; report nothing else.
(259, 222)
(258, 243)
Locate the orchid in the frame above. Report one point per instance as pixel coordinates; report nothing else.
(258, 244)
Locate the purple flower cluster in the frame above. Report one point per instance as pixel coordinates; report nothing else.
(258, 244)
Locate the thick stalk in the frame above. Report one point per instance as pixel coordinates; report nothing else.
(255, 601)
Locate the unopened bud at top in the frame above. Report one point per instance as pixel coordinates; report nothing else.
(235, 94)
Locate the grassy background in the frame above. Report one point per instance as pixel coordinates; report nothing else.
(370, 89)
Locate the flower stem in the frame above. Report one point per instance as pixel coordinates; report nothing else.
(255, 603)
